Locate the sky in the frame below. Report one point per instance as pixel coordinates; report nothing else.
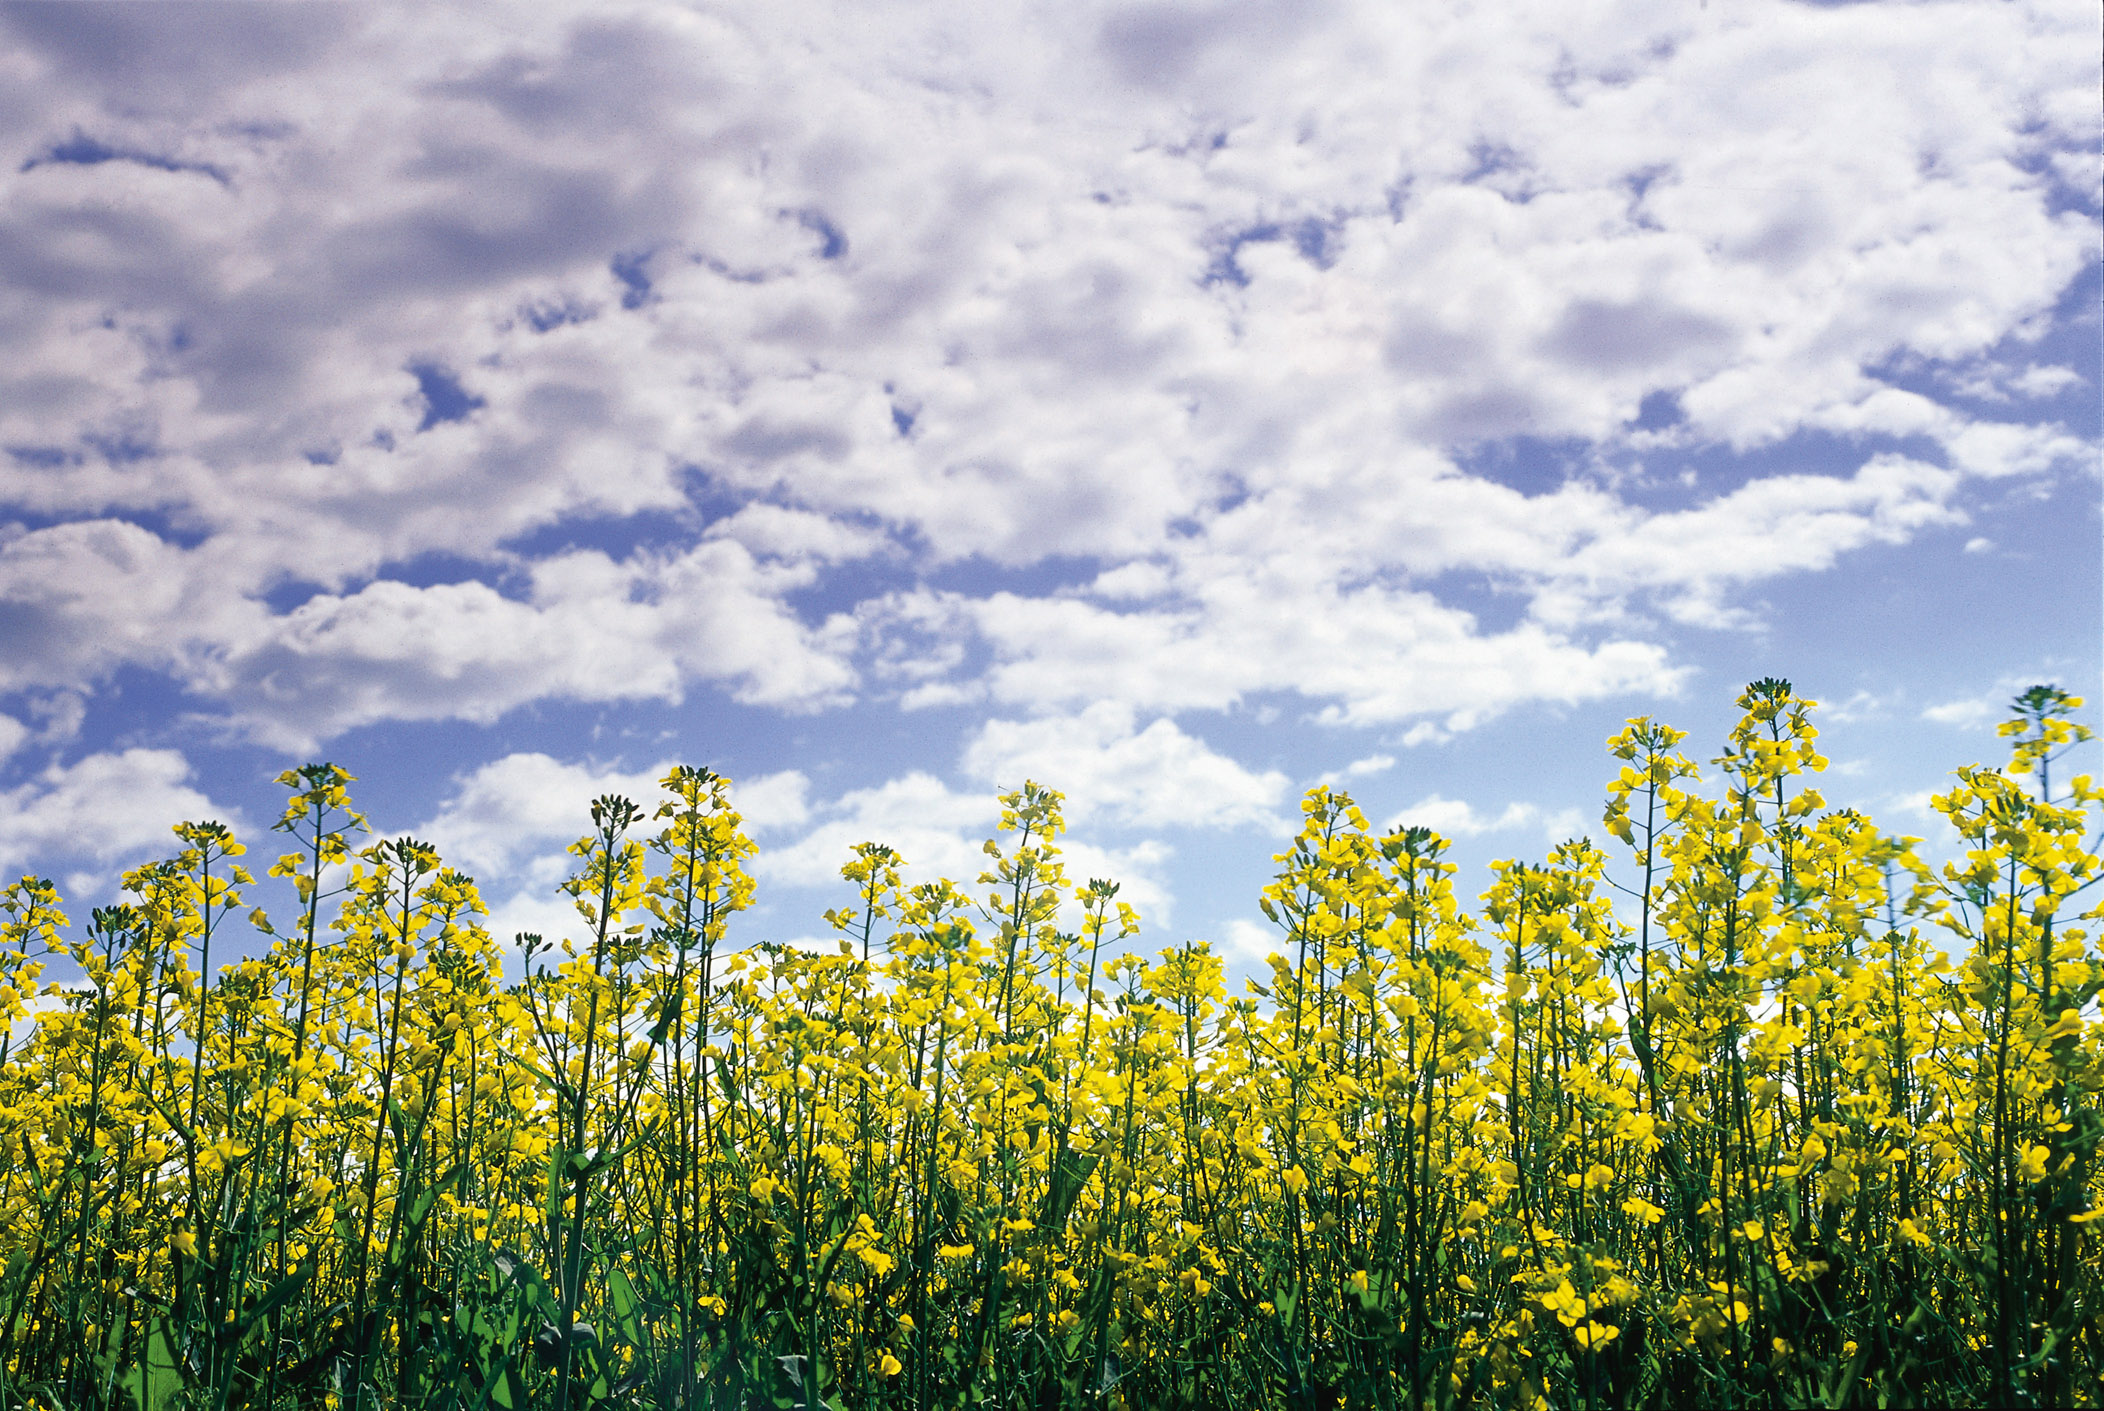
(1180, 405)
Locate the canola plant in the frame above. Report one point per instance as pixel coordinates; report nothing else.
(1756, 1109)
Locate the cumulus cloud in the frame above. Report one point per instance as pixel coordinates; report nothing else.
(936, 830)
(1969, 712)
(105, 806)
(1457, 818)
(1107, 768)
(589, 628)
(81, 598)
(860, 310)
(524, 802)
(940, 831)
(1371, 655)
(1693, 558)
(1991, 706)
(1248, 942)
(770, 803)
(511, 820)
(527, 800)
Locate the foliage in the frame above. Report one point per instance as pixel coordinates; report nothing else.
(1793, 1119)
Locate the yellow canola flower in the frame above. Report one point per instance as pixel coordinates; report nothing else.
(944, 1083)
(1565, 1303)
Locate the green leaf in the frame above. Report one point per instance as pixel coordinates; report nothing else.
(1069, 1176)
(156, 1381)
(605, 1159)
(279, 1294)
(668, 1015)
(626, 1308)
(512, 1393)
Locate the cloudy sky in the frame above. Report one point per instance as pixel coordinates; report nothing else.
(881, 403)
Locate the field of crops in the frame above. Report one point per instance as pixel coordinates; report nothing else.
(1750, 1107)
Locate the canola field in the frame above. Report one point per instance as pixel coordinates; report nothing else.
(1743, 1104)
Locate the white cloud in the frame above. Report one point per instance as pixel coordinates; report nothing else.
(1968, 713)
(522, 804)
(1147, 778)
(938, 832)
(1457, 818)
(1247, 942)
(510, 821)
(1138, 868)
(12, 733)
(590, 629)
(1917, 805)
(1692, 558)
(103, 806)
(538, 911)
(2043, 380)
(60, 716)
(1860, 706)
(1997, 382)
(1376, 654)
(84, 597)
(771, 802)
(36, 1006)
(1359, 769)
(1988, 707)
(1211, 302)
(87, 596)
(796, 534)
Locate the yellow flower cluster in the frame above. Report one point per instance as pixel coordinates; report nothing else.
(1762, 1108)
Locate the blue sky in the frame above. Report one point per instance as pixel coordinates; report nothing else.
(884, 403)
